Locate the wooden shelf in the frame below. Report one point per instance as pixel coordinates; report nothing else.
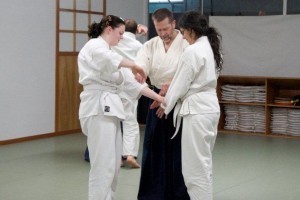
(239, 132)
(273, 135)
(242, 103)
(274, 87)
(283, 106)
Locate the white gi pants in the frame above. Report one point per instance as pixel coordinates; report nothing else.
(198, 138)
(131, 130)
(105, 149)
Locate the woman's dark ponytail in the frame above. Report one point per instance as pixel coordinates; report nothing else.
(96, 29)
(215, 41)
(198, 24)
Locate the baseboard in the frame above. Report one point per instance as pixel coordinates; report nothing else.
(36, 137)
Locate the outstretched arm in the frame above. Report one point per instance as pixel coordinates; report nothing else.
(162, 92)
(136, 70)
(151, 94)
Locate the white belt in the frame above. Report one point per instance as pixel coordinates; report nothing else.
(107, 88)
(177, 117)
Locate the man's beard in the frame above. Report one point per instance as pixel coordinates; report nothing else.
(167, 38)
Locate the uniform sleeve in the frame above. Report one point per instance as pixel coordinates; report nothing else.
(106, 60)
(132, 87)
(143, 57)
(180, 85)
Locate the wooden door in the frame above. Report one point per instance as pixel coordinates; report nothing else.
(72, 20)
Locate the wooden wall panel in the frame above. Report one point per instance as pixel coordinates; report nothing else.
(68, 91)
(71, 17)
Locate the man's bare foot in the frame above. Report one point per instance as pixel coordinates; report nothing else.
(132, 162)
(122, 163)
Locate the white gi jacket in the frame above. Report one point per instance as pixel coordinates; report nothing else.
(160, 65)
(128, 48)
(96, 65)
(193, 86)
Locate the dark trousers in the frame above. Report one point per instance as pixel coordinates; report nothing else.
(161, 172)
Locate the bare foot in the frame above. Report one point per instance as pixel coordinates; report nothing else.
(122, 163)
(132, 162)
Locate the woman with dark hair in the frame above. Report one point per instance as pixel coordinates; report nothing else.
(101, 108)
(193, 90)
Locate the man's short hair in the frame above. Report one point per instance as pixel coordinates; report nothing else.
(161, 14)
(131, 26)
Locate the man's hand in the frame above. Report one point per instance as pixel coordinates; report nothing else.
(164, 88)
(142, 29)
(154, 104)
(162, 92)
(160, 112)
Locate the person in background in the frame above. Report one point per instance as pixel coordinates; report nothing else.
(101, 108)
(193, 90)
(128, 47)
(161, 175)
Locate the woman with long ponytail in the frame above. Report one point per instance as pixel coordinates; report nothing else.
(193, 90)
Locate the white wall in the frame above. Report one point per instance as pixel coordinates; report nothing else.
(260, 45)
(134, 9)
(27, 63)
(27, 78)
(129, 9)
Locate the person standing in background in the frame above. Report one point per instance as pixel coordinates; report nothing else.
(128, 47)
(193, 90)
(161, 174)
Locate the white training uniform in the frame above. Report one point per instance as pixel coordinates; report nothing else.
(160, 65)
(100, 113)
(194, 90)
(161, 175)
(128, 47)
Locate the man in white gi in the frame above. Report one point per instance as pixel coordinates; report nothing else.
(161, 176)
(128, 48)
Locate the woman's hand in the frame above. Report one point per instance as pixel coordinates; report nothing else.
(139, 73)
(157, 102)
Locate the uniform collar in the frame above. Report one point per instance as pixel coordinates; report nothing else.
(102, 40)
